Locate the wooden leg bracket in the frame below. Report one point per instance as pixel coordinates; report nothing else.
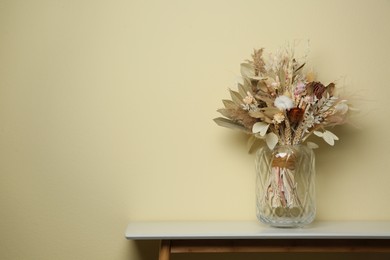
(165, 250)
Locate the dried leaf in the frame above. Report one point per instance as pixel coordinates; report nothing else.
(270, 111)
(256, 114)
(260, 127)
(242, 90)
(328, 139)
(236, 97)
(261, 115)
(265, 98)
(332, 135)
(262, 86)
(299, 68)
(247, 87)
(318, 133)
(225, 112)
(229, 124)
(247, 70)
(271, 139)
(229, 104)
(328, 136)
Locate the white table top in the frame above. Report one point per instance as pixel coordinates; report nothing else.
(256, 230)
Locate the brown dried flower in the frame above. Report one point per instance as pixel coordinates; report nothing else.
(315, 88)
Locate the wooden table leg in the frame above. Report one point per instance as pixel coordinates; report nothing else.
(165, 250)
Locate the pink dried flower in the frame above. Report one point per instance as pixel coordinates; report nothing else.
(300, 89)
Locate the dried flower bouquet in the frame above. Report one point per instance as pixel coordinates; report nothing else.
(281, 103)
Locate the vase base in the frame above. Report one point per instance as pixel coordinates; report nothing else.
(286, 222)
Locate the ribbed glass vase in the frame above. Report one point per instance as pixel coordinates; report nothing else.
(285, 186)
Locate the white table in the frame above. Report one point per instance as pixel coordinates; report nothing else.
(252, 236)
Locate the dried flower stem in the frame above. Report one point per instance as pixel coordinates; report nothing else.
(298, 134)
(287, 131)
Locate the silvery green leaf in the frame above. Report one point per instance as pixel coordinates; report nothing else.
(271, 139)
(312, 145)
(225, 112)
(247, 70)
(256, 114)
(247, 87)
(229, 124)
(236, 97)
(262, 86)
(242, 90)
(328, 139)
(328, 136)
(229, 104)
(332, 135)
(318, 133)
(270, 111)
(248, 84)
(260, 127)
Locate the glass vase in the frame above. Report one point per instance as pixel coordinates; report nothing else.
(285, 186)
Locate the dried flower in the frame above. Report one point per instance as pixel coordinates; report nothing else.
(249, 99)
(295, 115)
(300, 89)
(315, 88)
(278, 118)
(283, 103)
(258, 61)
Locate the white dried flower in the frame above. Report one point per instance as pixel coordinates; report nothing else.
(249, 99)
(278, 118)
(283, 103)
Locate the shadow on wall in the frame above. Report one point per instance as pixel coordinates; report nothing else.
(145, 249)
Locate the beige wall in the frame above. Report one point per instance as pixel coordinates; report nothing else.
(106, 114)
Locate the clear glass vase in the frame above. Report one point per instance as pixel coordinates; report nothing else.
(285, 186)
